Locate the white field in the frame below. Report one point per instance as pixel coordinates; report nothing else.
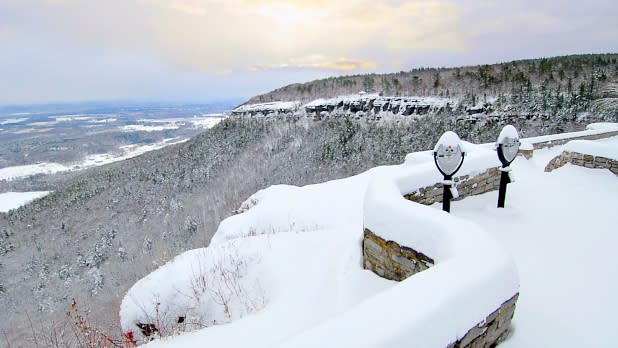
(13, 200)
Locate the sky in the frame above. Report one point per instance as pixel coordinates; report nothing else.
(207, 50)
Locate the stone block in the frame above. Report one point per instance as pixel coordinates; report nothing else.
(371, 247)
(390, 260)
(393, 247)
(492, 330)
(404, 262)
(601, 160)
(472, 335)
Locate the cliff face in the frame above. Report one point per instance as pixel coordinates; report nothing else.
(362, 105)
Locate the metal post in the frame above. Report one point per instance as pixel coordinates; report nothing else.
(446, 196)
(504, 179)
(446, 199)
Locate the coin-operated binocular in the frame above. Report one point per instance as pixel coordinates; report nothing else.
(507, 147)
(448, 156)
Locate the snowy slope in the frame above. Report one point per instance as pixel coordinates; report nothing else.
(291, 264)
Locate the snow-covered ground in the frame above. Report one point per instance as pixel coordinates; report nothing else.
(12, 200)
(204, 121)
(144, 128)
(561, 229)
(287, 271)
(272, 106)
(128, 151)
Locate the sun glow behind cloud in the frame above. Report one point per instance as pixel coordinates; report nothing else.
(215, 35)
(212, 39)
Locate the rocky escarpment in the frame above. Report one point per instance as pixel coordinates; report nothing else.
(372, 106)
(376, 108)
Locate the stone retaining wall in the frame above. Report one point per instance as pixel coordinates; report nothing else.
(550, 143)
(582, 160)
(390, 260)
(488, 180)
(493, 330)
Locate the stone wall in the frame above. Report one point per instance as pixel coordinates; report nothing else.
(583, 160)
(390, 260)
(493, 330)
(467, 185)
(550, 143)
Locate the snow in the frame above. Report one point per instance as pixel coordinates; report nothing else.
(70, 118)
(144, 128)
(608, 126)
(128, 151)
(598, 128)
(271, 106)
(206, 122)
(14, 200)
(558, 228)
(526, 146)
(447, 139)
(105, 120)
(13, 120)
(354, 99)
(508, 132)
(10, 173)
(607, 148)
(300, 255)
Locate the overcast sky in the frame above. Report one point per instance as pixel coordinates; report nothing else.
(203, 50)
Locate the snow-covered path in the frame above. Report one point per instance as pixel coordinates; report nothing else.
(561, 229)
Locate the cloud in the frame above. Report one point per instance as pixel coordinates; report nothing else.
(217, 35)
(321, 62)
(217, 39)
(188, 8)
(214, 34)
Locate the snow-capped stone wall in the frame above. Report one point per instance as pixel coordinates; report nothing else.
(490, 331)
(543, 142)
(477, 278)
(388, 259)
(582, 160)
(467, 185)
